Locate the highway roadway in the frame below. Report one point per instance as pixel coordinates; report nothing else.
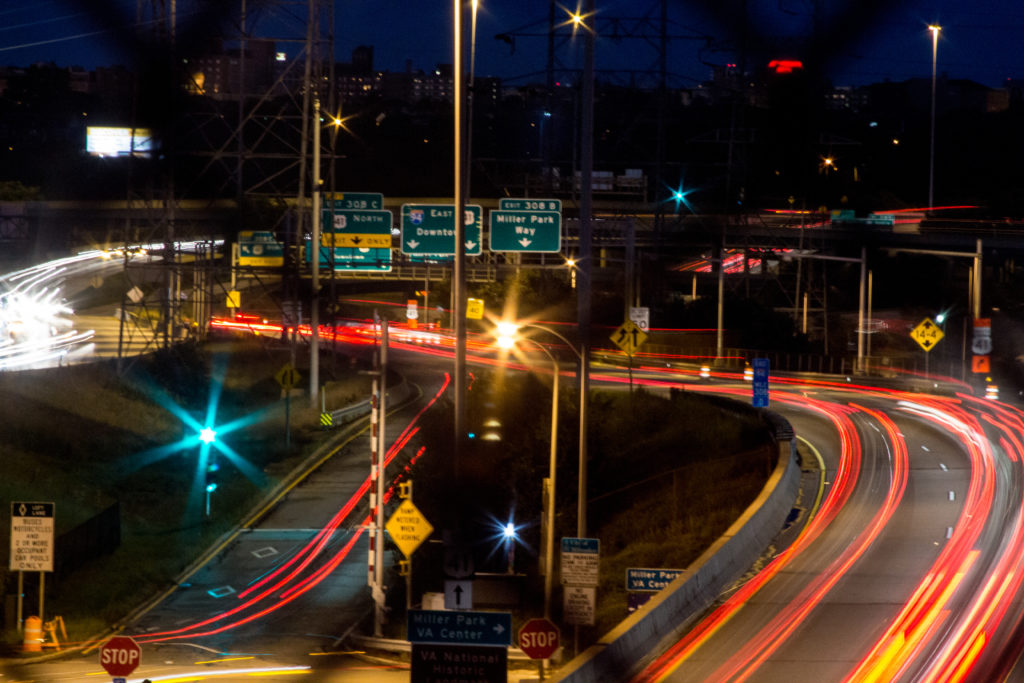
(908, 567)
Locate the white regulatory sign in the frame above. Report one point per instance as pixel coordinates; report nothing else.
(32, 537)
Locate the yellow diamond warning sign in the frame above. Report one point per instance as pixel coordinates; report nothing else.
(927, 334)
(408, 528)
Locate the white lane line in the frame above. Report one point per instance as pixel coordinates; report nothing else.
(952, 495)
(943, 466)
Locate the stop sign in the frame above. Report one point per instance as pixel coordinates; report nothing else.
(538, 638)
(120, 655)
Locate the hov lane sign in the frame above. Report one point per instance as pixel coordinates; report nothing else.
(32, 534)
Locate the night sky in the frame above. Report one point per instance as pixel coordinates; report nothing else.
(863, 41)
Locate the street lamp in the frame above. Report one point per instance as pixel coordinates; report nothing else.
(506, 339)
(934, 28)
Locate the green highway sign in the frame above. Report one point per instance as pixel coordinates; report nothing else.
(430, 229)
(259, 248)
(533, 231)
(352, 259)
(355, 200)
(357, 229)
(527, 204)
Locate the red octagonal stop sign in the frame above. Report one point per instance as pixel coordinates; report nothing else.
(120, 655)
(538, 638)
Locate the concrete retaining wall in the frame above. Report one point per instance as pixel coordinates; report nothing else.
(616, 656)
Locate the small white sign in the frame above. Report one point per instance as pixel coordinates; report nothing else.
(32, 537)
(458, 595)
(580, 560)
(641, 317)
(579, 603)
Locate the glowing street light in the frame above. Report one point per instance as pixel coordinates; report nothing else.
(506, 337)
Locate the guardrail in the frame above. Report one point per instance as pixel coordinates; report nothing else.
(615, 657)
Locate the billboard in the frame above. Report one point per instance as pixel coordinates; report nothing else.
(110, 141)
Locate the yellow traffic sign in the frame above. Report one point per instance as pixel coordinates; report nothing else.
(927, 334)
(629, 337)
(287, 376)
(234, 299)
(408, 527)
(475, 309)
(355, 240)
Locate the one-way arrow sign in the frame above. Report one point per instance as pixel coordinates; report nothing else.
(458, 594)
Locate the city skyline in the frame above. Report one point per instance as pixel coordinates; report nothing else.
(872, 43)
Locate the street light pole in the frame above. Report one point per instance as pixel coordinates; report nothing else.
(934, 28)
(314, 338)
(549, 503)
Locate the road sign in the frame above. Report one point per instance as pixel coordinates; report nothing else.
(528, 204)
(458, 594)
(475, 309)
(981, 341)
(458, 562)
(580, 561)
(927, 334)
(430, 229)
(359, 229)
(526, 231)
(641, 317)
(120, 655)
(408, 527)
(538, 639)
(629, 337)
(650, 580)
(434, 663)
(287, 376)
(32, 537)
(579, 603)
(465, 628)
(762, 368)
(351, 258)
(258, 248)
(355, 200)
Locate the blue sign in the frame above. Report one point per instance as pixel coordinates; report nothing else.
(650, 580)
(581, 545)
(761, 368)
(463, 628)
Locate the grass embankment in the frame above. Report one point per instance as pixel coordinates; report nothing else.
(84, 437)
(668, 474)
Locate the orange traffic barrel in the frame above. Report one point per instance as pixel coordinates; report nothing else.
(33, 641)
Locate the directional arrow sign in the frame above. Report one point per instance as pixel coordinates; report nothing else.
(629, 337)
(430, 229)
(259, 248)
(362, 229)
(927, 334)
(526, 231)
(458, 594)
(467, 628)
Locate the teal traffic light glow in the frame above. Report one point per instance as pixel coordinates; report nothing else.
(203, 436)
